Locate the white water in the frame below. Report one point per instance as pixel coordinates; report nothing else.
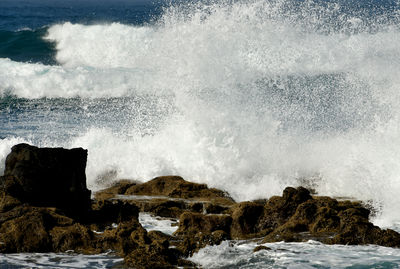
(259, 98)
(58, 260)
(155, 223)
(296, 255)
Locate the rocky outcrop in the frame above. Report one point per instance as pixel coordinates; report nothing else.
(117, 188)
(177, 187)
(45, 207)
(197, 230)
(49, 177)
(169, 196)
(324, 219)
(245, 216)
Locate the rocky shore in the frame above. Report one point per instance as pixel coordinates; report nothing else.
(45, 206)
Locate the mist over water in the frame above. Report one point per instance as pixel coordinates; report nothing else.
(246, 96)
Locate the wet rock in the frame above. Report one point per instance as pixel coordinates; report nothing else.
(26, 229)
(324, 219)
(118, 239)
(258, 248)
(117, 188)
(51, 177)
(211, 208)
(169, 196)
(198, 230)
(8, 186)
(149, 250)
(177, 187)
(44, 207)
(245, 217)
(106, 212)
(197, 207)
(74, 237)
(190, 223)
(162, 207)
(36, 179)
(191, 243)
(279, 209)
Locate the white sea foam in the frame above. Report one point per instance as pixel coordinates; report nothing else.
(153, 223)
(296, 255)
(261, 95)
(58, 260)
(5, 149)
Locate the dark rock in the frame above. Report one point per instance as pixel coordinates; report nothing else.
(161, 207)
(211, 208)
(260, 201)
(45, 207)
(8, 185)
(149, 250)
(198, 230)
(323, 219)
(177, 187)
(191, 223)
(258, 248)
(26, 229)
(197, 207)
(74, 237)
(51, 177)
(192, 243)
(112, 211)
(172, 196)
(117, 188)
(245, 217)
(279, 209)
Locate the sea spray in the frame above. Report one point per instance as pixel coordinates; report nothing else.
(248, 97)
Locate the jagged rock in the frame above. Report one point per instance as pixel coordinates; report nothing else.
(36, 179)
(44, 207)
(279, 209)
(258, 248)
(52, 177)
(161, 207)
(172, 196)
(245, 217)
(118, 239)
(74, 237)
(7, 202)
(177, 187)
(198, 230)
(191, 243)
(211, 208)
(148, 250)
(324, 219)
(116, 188)
(191, 223)
(105, 212)
(26, 229)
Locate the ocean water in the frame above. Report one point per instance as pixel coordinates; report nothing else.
(248, 96)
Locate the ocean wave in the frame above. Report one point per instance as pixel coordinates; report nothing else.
(262, 95)
(27, 45)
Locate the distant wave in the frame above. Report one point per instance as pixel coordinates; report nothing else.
(26, 45)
